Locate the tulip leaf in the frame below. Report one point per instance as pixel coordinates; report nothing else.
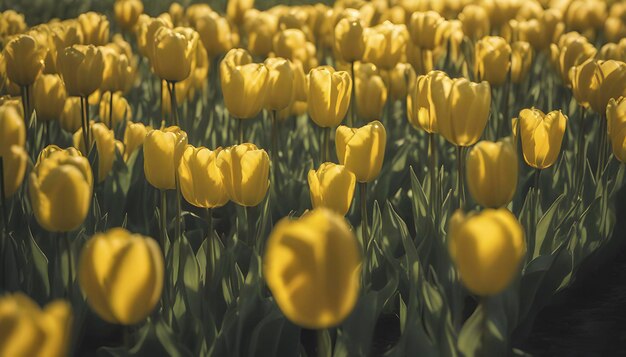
(38, 268)
(543, 226)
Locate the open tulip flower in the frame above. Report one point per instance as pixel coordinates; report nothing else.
(542, 135)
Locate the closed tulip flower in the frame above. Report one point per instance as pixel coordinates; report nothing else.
(81, 68)
(279, 84)
(329, 96)
(127, 12)
(162, 152)
(542, 135)
(60, 190)
(116, 70)
(388, 45)
(261, 31)
(349, 39)
(291, 44)
(12, 128)
(106, 144)
(173, 52)
(24, 60)
(521, 60)
(487, 249)
(424, 29)
(146, 36)
(121, 275)
(492, 173)
(200, 178)
(236, 57)
(215, 33)
(420, 104)
(134, 136)
(70, 118)
(28, 330)
(475, 20)
(582, 77)
(616, 121)
(49, 97)
(608, 83)
(399, 80)
(121, 109)
(236, 9)
(371, 93)
(312, 266)
(493, 60)
(362, 150)
(245, 171)
(95, 28)
(572, 50)
(14, 160)
(420, 59)
(462, 114)
(332, 186)
(244, 88)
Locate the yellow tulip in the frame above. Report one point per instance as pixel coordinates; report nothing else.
(24, 60)
(463, 112)
(104, 139)
(245, 170)
(173, 51)
(388, 44)
(475, 20)
(493, 60)
(585, 16)
(582, 77)
(49, 97)
(362, 150)
(81, 68)
(12, 128)
(71, 118)
(261, 31)
(14, 161)
(371, 92)
(542, 135)
(616, 121)
(60, 190)
(65, 34)
(200, 178)
(12, 23)
(215, 33)
(608, 82)
(279, 83)
(487, 249)
(420, 59)
(121, 275)
(613, 51)
(236, 57)
(117, 71)
(521, 60)
(349, 39)
(121, 109)
(95, 28)
(492, 173)
(146, 36)
(313, 266)
(329, 96)
(127, 12)
(425, 29)
(28, 330)
(332, 186)
(420, 105)
(134, 136)
(291, 44)
(236, 9)
(572, 50)
(162, 152)
(244, 88)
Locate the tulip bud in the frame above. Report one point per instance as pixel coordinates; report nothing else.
(616, 125)
(134, 136)
(162, 152)
(329, 96)
(332, 186)
(173, 51)
(362, 150)
(572, 50)
(487, 249)
(12, 128)
(492, 173)
(542, 135)
(424, 29)
(371, 92)
(71, 117)
(244, 88)
(28, 330)
(60, 190)
(318, 286)
(95, 28)
(104, 139)
(279, 83)
(399, 80)
(81, 68)
(420, 106)
(236, 9)
(385, 44)
(521, 60)
(200, 178)
(245, 170)
(582, 77)
(121, 109)
(215, 33)
(261, 31)
(349, 40)
(14, 161)
(121, 275)
(146, 36)
(475, 20)
(462, 114)
(127, 12)
(24, 60)
(493, 60)
(290, 44)
(49, 97)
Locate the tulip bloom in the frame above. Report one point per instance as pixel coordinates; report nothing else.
(542, 135)
(521, 60)
(329, 96)
(332, 186)
(244, 88)
(399, 81)
(81, 68)
(215, 33)
(475, 21)
(95, 28)
(487, 249)
(60, 190)
(371, 93)
(173, 50)
(420, 104)
(261, 31)
(312, 266)
(12, 128)
(425, 29)
(616, 120)
(245, 170)
(127, 12)
(162, 152)
(492, 173)
(572, 50)
(106, 144)
(122, 111)
(71, 115)
(279, 84)
(362, 150)
(24, 60)
(349, 40)
(134, 136)
(385, 44)
(28, 330)
(200, 178)
(121, 275)
(493, 60)
(14, 161)
(49, 97)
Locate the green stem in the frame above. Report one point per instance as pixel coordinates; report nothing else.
(84, 104)
(505, 106)
(210, 258)
(3, 217)
(352, 117)
(483, 326)
(459, 177)
(240, 131)
(364, 221)
(432, 168)
(48, 129)
(171, 86)
(70, 274)
(111, 110)
(25, 106)
(179, 210)
(128, 336)
(251, 227)
(321, 344)
(274, 139)
(163, 216)
(327, 144)
(161, 82)
(602, 149)
(580, 152)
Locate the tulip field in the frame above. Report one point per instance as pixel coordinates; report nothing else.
(357, 178)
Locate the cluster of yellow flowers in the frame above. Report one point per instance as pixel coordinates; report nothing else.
(446, 63)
